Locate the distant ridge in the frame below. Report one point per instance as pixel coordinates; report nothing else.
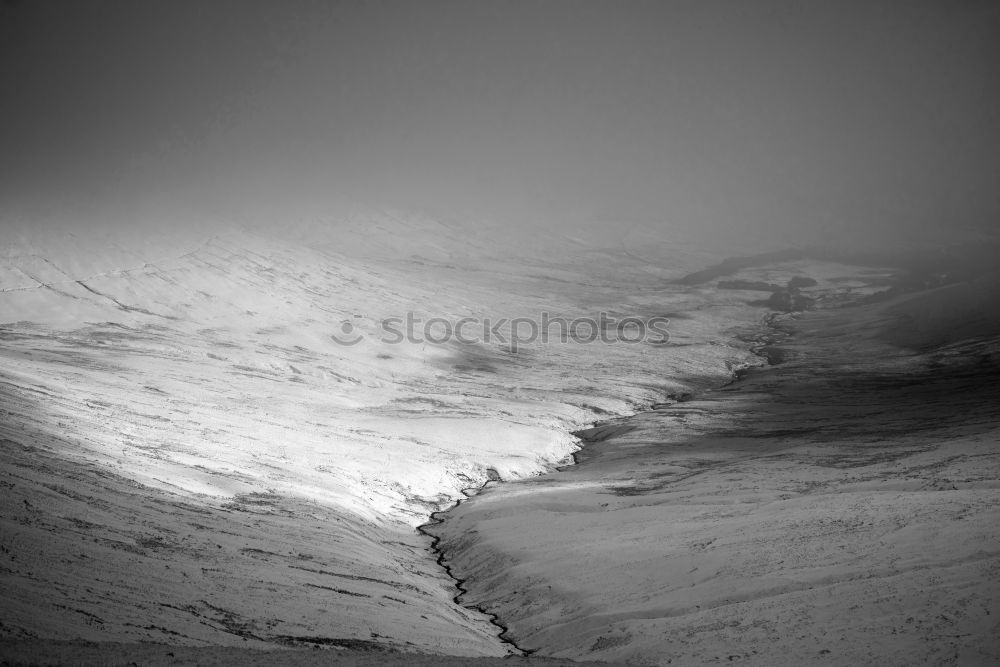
(925, 266)
(731, 265)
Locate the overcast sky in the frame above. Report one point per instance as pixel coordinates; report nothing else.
(708, 113)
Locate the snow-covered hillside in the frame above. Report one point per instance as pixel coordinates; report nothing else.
(191, 456)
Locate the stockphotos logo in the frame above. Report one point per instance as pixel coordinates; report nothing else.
(512, 332)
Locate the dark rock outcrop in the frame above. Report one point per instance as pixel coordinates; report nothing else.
(789, 300)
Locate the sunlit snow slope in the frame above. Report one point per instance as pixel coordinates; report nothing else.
(190, 456)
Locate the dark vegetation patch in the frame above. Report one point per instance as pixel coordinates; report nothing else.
(339, 590)
(604, 432)
(356, 577)
(362, 645)
(750, 285)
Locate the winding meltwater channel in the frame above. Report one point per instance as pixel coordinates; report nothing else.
(425, 529)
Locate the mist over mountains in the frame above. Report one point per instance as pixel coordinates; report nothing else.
(728, 120)
(428, 333)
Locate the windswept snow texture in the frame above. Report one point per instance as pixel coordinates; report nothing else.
(190, 457)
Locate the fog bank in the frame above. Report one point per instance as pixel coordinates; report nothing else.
(731, 120)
